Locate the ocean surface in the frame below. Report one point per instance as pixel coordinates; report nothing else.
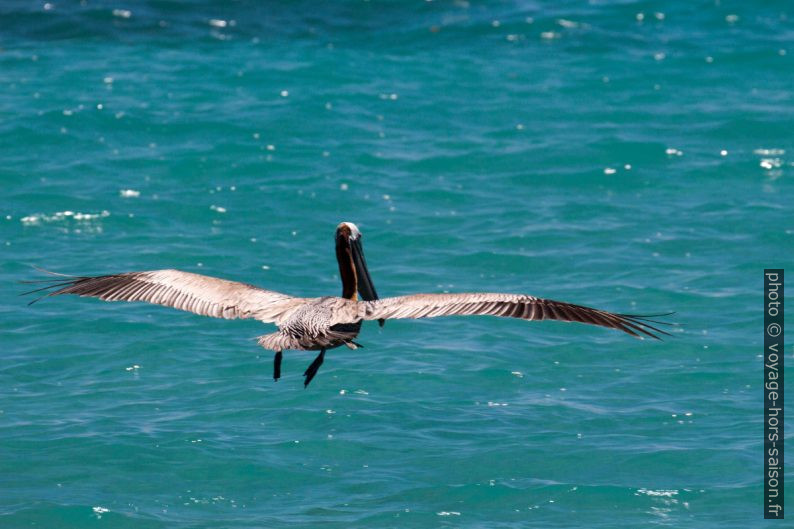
(632, 156)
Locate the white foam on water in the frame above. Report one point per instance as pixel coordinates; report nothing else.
(61, 217)
(220, 23)
(662, 493)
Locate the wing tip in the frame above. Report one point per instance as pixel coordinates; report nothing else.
(641, 323)
(63, 281)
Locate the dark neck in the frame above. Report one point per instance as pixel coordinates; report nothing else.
(346, 272)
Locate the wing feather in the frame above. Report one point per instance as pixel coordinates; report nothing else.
(504, 305)
(205, 295)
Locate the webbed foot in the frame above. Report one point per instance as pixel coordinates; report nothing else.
(277, 366)
(313, 367)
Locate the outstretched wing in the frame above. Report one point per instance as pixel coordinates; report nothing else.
(205, 295)
(505, 305)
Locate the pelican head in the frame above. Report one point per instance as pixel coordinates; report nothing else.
(349, 226)
(352, 265)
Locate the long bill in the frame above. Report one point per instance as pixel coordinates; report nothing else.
(366, 288)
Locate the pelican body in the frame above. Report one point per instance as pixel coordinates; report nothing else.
(310, 324)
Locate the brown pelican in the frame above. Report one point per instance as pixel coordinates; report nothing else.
(326, 322)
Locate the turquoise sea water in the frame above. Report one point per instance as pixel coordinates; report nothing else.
(633, 156)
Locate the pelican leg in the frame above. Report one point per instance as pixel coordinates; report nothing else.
(277, 366)
(313, 367)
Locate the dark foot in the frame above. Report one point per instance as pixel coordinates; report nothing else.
(277, 366)
(313, 367)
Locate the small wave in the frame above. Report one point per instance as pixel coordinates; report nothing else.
(62, 216)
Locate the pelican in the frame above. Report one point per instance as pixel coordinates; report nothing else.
(311, 324)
